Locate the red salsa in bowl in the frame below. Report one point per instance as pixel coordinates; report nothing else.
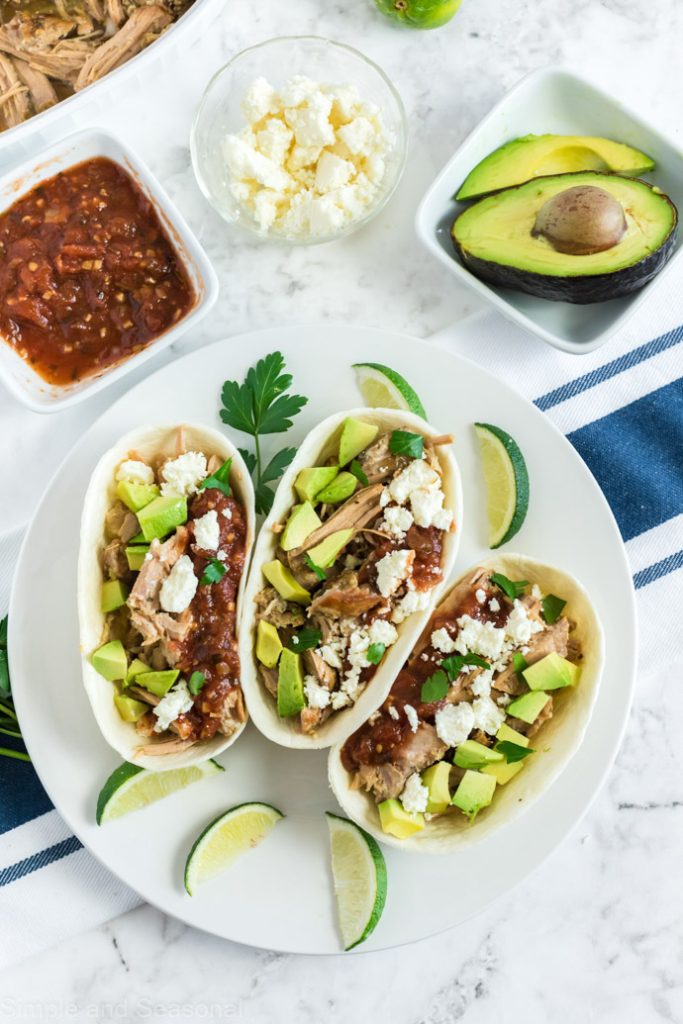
(88, 274)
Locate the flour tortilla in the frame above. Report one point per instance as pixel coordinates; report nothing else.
(556, 742)
(149, 443)
(320, 444)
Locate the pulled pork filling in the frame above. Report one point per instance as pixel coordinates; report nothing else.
(437, 704)
(383, 574)
(174, 617)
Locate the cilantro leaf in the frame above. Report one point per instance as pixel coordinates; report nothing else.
(220, 480)
(513, 751)
(195, 683)
(552, 608)
(305, 639)
(277, 465)
(375, 653)
(434, 688)
(510, 588)
(214, 571)
(320, 573)
(357, 471)
(403, 442)
(454, 664)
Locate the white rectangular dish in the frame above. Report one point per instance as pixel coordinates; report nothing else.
(15, 373)
(557, 102)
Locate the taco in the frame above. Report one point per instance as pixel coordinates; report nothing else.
(487, 711)
(363, 531)
(166, 534)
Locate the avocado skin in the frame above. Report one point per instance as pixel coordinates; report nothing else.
(576, 289)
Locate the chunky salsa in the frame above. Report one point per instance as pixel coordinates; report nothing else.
(88, 275)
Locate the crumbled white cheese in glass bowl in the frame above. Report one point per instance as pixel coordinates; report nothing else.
(300, 140)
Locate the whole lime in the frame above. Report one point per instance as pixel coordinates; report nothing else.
(419, 13)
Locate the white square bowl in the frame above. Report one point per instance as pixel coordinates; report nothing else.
(16, 374)
(557, 102)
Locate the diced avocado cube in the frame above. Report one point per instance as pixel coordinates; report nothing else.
(341, 488)
(303, 520)
(529, 706)
(129, 709)
(114, 595)
(310, 481)
(137, 539)
(512, 736)
(135, 556)
(474, 793)
(327, 552)
(471, 754)
(162, 515)
(502, 773)
(136, 496)
(551, 673)
(158, 683)
(110, 660)
(281, 578)
(290, 685)
(268, 644)
(436, 779)
(395, 821)
(355, 436)
(134, 669)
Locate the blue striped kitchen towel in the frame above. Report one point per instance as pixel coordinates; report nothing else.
(621, 407)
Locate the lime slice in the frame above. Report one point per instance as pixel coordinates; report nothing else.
(420, 13)
(507, 482)
(360, 879)
(384, 388)
(230, 835)
(130, 787)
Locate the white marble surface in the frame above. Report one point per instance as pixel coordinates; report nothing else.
(595, 934)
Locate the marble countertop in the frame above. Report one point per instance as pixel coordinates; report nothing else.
(594, 934)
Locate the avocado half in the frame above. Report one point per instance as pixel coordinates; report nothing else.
(534, 156)
(493, 238)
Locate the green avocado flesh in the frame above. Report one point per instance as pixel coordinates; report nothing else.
(533, 156)
(494, 239)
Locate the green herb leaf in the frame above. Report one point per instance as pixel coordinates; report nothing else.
(510, 589)
(220, 480)
(357, 471)
(263, 499)
(196, 681)
(519, 663)
(320, 573)
(215, 571)
(277, 465)
(434, 688)
(552, 608)
(375, 653)
(249, 459)
(455, 662)
(5, 688)
(513, 751)
(3, 632)
(305, 640)
(402, 442)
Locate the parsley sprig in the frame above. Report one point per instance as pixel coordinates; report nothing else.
(9, 723)
(258, 406)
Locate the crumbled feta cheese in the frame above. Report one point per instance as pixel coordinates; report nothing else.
(397, 521)
(316, 696)
(227, 512)
(297, 90)
(183, 475)
(393, 712)
(340, 699)
(385, 497)
(246, 162)
(411, 715)
(426, 503)
(480, 595)
(207, 532)
(260, 99)
(393, 569)
(414, 796)
(179, 587)
(176, 702)
(358, 136)
(519, 627)
(481, 684)
(135, 472)
(536, 592)
(330, 655)
(478, 637)
(332, 172)
(274, 140)
(503, 700)
(487, 715)
(442, 640)
(382, 632)
(414, 601)
(494, 604)
(417, 474)
(309, 120)
(454, 723)
(442, 519)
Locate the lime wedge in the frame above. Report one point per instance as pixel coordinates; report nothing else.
(384, 388)
(230, 835)
(420, 13)
(507, 482)
(360, 879)
(130, 787)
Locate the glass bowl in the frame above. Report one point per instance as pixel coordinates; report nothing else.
(278, 60)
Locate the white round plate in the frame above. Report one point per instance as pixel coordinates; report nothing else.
(280, 895)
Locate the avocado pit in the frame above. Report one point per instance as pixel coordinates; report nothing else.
(581, 220)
